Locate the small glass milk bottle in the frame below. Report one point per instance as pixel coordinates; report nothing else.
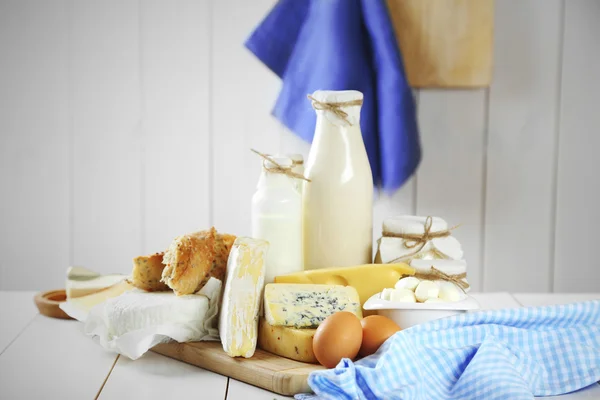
(277, 217)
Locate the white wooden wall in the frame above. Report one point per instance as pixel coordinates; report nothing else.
(124, 123)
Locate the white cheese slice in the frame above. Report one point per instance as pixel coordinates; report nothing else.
(82, 282)
(79, 307)
(238, 322)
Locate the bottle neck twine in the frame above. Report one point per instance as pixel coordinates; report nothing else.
(335, 108)
(278, 168)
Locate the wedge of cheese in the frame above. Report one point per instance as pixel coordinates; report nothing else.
(82, 282)
(366, 279)
(238, 321)
(287, 342)
(306, 306)
(79, 307)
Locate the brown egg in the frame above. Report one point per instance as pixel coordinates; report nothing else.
(339, 336)
(376, 329)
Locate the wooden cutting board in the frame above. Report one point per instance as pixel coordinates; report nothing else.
(265, 370)
(445, 43)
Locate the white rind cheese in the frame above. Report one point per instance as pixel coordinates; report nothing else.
(238, 322)
(305, 305)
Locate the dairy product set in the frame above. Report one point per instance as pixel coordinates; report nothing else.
(300, 284)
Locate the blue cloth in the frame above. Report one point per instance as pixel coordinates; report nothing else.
(506, 354)
(342, 45)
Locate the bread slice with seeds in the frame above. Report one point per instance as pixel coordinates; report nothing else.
(147, 273)
(189, 261)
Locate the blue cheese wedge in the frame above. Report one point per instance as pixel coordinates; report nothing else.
(238, 321)
(306, 305)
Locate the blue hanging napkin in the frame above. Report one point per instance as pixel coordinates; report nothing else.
(506, 354)
(340, 45)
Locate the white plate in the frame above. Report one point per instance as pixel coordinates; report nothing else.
(409, 314)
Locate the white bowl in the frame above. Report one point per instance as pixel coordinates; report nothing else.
(409, 314)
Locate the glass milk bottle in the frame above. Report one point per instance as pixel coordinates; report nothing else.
(338, 200)
(277, 218)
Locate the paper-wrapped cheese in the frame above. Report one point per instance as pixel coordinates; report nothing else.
(411, 237)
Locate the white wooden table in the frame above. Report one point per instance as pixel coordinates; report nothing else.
(42, 358)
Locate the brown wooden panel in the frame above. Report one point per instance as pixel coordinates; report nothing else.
(445, 43)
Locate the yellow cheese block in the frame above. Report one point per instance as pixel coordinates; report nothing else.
(366, 279)
(287, 342)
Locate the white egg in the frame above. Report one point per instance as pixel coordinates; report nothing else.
(434, 300)
(449, 292)
(427, 290)
(409, 283)
(386, 294)
(403, 295)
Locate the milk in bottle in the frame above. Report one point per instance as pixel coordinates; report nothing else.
(337, 202)
(277, 217)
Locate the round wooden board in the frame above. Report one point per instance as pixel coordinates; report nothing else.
(48, 303)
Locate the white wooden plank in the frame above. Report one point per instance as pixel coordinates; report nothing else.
(577, 211)
(243, 95)
(242, 391)
(495, 301)
(175, 85)
(522, 146)
(52, 358)
(17, 312)
(107, 135)
(159, 377)
(34, 144)
(450, 178)
(546, 299)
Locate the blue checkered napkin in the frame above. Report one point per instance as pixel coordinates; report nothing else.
(505, 354)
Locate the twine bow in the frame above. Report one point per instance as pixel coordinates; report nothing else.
(416, 240)
(335, 108)
(436, 274)
(279, 169)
